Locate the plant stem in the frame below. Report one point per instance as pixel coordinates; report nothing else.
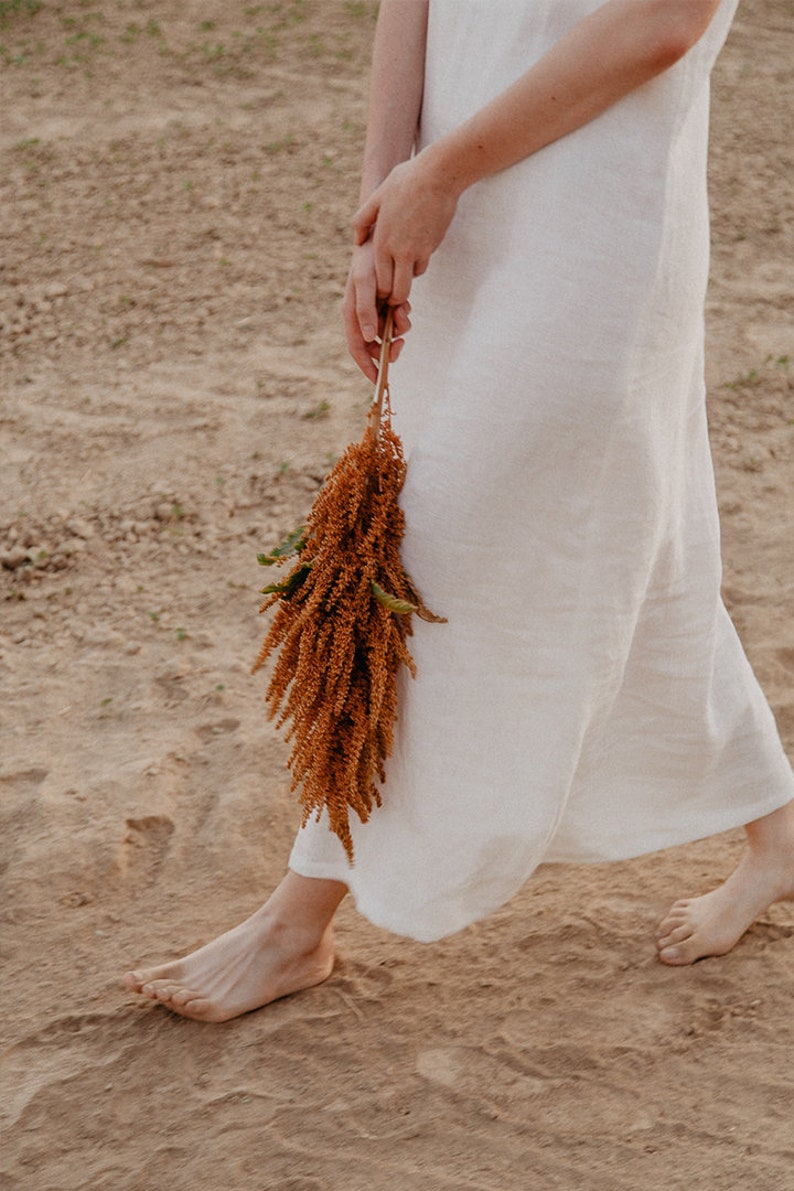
(382, 388)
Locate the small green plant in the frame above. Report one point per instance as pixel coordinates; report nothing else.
(17, 8)
(748, 378)
(286, 142)
(213, 53)
(10, 59)
(317, 411)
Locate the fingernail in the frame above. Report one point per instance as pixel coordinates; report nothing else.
(369, 334)
(670, 953)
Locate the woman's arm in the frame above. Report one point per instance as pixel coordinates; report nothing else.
(619, 47)
(616, 49)
(397, 82)
(395, 101)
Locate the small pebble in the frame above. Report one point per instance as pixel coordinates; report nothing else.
(11, 559)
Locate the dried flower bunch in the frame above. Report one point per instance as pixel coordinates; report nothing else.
(340, 626)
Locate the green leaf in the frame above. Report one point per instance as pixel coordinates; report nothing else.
(291, 545)
(393, 603)
(290, 585)
(425, 614)
(422, 610)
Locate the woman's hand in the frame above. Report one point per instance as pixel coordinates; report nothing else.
(364, 314)
(397, 229)
(406, 218)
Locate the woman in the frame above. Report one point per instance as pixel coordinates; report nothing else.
(588, 699)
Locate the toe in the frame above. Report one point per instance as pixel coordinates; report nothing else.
(672, 956)
(190, 1004)
(673, 918)
(677, 935)
(200, 1009)
(183, 996)
(161, 990)
(141, 978)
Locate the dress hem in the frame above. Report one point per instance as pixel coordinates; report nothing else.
(372, 911)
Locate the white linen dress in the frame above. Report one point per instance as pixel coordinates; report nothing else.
(589, 698)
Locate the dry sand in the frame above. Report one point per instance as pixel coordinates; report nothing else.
(176, 187)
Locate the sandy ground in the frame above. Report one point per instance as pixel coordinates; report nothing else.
(176, 186)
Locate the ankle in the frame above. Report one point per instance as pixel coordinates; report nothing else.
(771, 838)
(767, 866)
(774, 851)
(290, 933)
(300, 911)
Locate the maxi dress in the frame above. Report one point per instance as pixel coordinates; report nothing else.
(589, 698)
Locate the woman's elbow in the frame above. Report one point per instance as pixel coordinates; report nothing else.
(679, 24)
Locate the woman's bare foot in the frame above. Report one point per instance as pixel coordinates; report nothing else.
(284, 947)
(714, 923)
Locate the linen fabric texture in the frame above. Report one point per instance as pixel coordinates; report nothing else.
(589, 698)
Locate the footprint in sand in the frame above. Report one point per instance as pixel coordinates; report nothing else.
(468, 1070)
(51, 1058)
(145, 845)
(208, 732)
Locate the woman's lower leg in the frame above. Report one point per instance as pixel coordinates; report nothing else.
(713, 923)
(285, 946)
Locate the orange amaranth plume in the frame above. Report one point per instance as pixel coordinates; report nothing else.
(340, 626)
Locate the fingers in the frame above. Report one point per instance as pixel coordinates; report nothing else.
(402, 276)
(365, 218)
(384, 274)
(367, 352)
(360, 348)
(365, 302)
(364, 312)
(402, 321)
(393, 273)
(396, 347)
